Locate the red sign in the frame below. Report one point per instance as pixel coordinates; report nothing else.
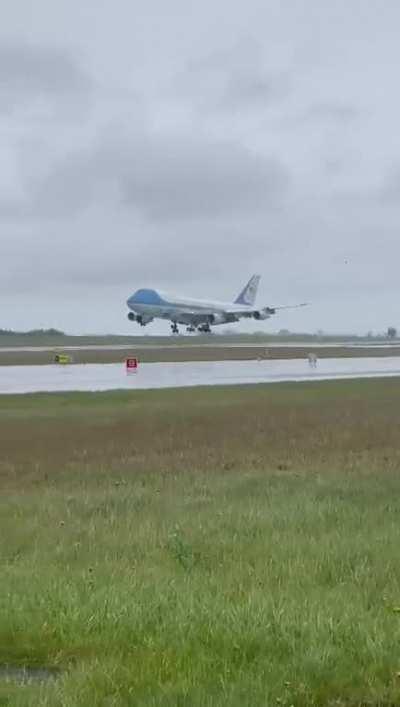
(131, 364)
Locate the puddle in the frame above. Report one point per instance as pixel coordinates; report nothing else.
(25, 674)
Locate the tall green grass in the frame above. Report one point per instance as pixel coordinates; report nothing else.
(250, 557)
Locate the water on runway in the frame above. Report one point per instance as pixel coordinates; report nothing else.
(113, 376)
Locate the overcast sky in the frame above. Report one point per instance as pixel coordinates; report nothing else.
(185, 145)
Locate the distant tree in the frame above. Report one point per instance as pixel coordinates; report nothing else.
(45, 332)
(391, 332)
(32, 332)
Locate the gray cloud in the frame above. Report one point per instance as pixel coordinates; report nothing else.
(253, 91)
(185, 146)
(176, 179)
(29, 72)
(332, 112)
(237, 78)
(389, 190)
(163, 178)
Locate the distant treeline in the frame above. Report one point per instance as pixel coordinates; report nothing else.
(32, 332)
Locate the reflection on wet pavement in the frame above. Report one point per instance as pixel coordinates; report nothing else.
(113, 376)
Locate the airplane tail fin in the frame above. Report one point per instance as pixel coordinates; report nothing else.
(249, 293)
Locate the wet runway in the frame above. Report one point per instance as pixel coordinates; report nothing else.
(113, 376)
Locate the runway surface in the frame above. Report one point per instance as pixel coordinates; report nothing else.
(96, 377)
(213, 344)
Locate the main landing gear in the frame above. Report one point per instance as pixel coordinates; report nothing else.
(203, 328)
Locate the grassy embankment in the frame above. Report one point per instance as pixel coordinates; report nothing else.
(203, 547)
(184, 348)
(169, 352)
(15, 339)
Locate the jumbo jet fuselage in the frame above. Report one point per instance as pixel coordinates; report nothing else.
(148, 304)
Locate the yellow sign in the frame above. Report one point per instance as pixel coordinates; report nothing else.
(62, 358)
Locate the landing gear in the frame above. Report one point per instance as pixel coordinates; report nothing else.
(174, 328)
(204, 328)
(190, 329)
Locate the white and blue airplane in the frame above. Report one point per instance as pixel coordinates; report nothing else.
(148, 304)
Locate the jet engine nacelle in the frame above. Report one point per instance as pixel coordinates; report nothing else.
(139, 318)
(264, 313)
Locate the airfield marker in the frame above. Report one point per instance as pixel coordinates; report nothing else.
(62, 359)
(312, 360)
(131, 364)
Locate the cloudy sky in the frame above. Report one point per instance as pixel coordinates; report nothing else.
(185, 145)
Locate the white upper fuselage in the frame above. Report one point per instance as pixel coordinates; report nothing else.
(170, 301)
(150, 303)
(147, 304)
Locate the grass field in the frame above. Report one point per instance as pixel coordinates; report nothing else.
(170, 352)
(140, 336)
(235, 546)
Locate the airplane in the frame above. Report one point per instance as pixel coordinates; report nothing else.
(148, 304)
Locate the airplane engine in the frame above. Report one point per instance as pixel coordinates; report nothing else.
(264, 313)
(140, 318)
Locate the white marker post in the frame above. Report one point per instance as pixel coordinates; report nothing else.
(312, 360)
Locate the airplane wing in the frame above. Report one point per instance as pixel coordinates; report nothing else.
(229, 315)
(264, 312)
(289, 306)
